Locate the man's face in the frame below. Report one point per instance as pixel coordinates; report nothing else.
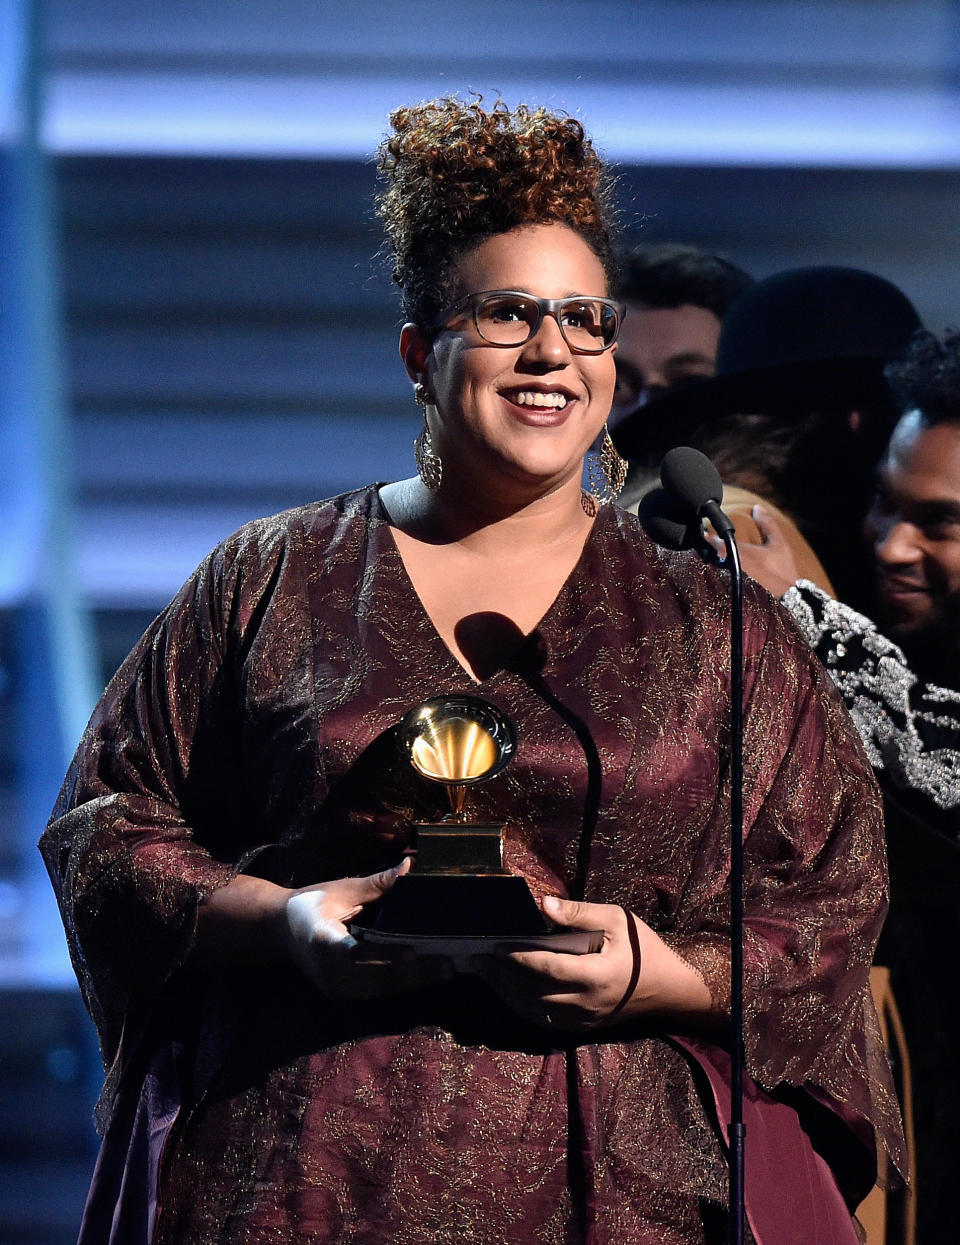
(660, 348)
(914, 523)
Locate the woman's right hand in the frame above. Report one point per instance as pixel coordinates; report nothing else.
(253, 921)
(321, 945)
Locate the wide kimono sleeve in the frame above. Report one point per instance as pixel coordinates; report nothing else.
(815, 893)
(158, 759)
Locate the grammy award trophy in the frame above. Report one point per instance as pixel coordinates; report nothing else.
(459, 898)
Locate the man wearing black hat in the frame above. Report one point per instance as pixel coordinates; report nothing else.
(798, 411)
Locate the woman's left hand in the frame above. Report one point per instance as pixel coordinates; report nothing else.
(773, 562)
(628, 977)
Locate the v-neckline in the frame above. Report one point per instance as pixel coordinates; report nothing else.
(538, 627)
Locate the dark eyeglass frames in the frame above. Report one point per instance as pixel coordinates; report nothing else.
(511, 318)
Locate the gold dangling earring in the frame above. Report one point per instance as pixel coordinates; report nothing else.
(606, 470)
(429, 463)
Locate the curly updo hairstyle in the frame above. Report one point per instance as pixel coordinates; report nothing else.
(457, 174)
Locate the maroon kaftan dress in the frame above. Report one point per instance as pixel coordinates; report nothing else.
(252, 729)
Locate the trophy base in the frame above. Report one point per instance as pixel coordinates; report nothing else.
(460, 902)
(465, 904)
(461, 948)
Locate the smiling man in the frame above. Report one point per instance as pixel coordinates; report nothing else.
(914, 526)
(914, 522)
(905, 700)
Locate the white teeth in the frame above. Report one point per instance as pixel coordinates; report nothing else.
(530, 397)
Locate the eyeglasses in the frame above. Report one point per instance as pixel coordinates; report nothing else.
(510, 318)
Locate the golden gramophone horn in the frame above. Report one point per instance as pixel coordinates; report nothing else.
(457, 740)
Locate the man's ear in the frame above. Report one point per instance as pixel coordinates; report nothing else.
(415, 346)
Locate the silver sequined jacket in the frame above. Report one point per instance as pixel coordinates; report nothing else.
(910, 729)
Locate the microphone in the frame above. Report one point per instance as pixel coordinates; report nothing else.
(668, 522)
(693, 479)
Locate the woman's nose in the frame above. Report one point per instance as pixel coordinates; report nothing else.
(548, 344)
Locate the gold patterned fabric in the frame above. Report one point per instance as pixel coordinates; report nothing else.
(253, 729)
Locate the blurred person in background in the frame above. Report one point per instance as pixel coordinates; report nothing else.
(901, 682)
(798, 412)
(676, 299)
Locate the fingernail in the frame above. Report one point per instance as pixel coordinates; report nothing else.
(551, 904)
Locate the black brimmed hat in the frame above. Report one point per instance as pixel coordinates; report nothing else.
(797, 341)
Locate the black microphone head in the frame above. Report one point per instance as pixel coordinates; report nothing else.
(669, 523)
(691, 477)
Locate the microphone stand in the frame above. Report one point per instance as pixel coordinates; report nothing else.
(737, 1132)
(672, 516)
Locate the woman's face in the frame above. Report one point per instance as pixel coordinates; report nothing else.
(489, 421)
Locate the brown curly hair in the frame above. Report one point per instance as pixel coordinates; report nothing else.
(458, 174)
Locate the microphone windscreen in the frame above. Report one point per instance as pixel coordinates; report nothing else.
(669, 523)
(691, 477)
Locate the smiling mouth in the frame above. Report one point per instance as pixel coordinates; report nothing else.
(902, 588)
(538, 399)
(904, 602)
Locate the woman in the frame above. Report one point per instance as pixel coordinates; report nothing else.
(239, 799)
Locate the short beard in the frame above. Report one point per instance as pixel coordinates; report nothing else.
(932, 647)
